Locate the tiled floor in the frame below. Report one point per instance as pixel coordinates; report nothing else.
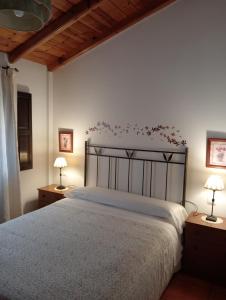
(186, 287)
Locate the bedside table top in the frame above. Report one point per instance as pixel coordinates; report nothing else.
(195, 218)
(52, 188)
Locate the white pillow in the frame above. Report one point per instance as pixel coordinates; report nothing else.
(173, 212)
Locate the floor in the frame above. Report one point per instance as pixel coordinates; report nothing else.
(186, 287)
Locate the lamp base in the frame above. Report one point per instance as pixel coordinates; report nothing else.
(211, 218)
(60, 187)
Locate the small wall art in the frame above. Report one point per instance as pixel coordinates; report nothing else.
(216, 153)
(66, 140)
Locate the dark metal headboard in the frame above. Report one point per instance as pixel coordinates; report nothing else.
(132, 154)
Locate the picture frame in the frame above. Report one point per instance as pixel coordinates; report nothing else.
(216, 153)
(66, 140)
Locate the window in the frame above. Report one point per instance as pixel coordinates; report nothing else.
(24, 125)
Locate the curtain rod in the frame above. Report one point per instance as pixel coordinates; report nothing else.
(7, 67)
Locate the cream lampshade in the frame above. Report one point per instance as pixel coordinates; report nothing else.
(60, 163)
(24, 15)
(214, 183)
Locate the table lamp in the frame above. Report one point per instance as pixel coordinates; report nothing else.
(214, 183)
(60, 163)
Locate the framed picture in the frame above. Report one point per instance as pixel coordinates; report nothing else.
(216, 153)
(66, 140)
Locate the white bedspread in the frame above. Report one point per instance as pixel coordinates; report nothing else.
(75, 249)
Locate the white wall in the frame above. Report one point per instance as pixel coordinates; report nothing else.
(168, 69)
(32, 78)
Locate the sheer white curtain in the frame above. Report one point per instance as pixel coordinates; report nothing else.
(10, 200)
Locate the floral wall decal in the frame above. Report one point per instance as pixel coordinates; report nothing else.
(167, 133)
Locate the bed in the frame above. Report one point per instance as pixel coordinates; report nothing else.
(98, 243)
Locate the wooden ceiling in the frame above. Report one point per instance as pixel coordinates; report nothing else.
(76, 26)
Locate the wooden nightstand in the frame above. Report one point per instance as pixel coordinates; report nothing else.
(205, 248)
(48, 195)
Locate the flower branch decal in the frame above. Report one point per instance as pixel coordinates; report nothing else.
(167, 133)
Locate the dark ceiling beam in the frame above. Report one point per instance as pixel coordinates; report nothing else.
(151, 9)
(67, 19)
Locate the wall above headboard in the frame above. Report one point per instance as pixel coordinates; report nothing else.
(166, 70)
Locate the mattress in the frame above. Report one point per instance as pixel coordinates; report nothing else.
(77, 249)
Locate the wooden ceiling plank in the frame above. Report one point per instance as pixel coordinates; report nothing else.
(61, 38)
(60, 24)
(75, 33)
(118, 6)
(125, 6)
(93, 24)
(40, 57)
(154, 7)
(84, 32)
(54, 48)
(62, 5)
(55, 10)
(68, 44)
(6, 44)
(98, 11)
(73, 36)
(92, 28)
(74, 1)
(57, 39)
(64, 48)
(55, 51)
(43, 55)
(100, 19)
(11, 34)
(83, 36)
(55, 14)
(36, 59)
(112, 11)
(139, 3)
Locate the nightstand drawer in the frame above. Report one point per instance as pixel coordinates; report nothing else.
(205, 235)
(206, 269)
(208, 262)
(206, 252)
(49, 197)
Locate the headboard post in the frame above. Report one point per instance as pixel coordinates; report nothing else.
(85, 163)
(185, 177)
